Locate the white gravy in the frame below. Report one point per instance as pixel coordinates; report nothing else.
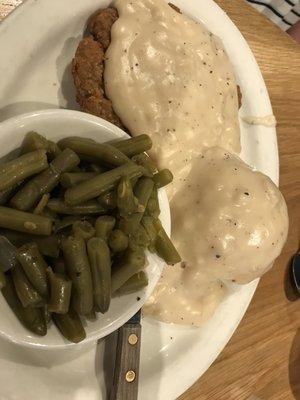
(229, 225)
(169, 77)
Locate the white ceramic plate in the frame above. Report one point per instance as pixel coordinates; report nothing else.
(37, 43)
(54, 125)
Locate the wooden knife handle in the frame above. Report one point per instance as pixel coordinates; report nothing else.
(126, 374)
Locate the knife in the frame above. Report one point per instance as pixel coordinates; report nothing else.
(127, 362)
(296, 271)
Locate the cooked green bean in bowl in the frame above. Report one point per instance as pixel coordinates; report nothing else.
(84, 225)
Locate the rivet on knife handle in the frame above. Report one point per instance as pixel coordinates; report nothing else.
(126, 375)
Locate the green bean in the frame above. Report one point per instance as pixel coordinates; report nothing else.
(78, 267)
(98, 169)
(6, 194)
(59, 266)
(34, 267)
(25, 222)
(128, 225)
(8, 254)
(46, 315)
(2, 277)
(83, 229)
(60, 293)
(66, 222)
(142, 191)
(163, 245)
(147, 223)
(41, 204)
(80, 139)
(71, 179)
(50, 214)
(126, 202)
(153, 208)
(137, 282)
(99, 256)
(43, 183)
(70, 326)
(118, 241)
(53, 150)
(130, 264)
(144, 160)
(47, 245)
(31, 318)
(139, 238)
(22, 161)
(133, 146)
(98, 151)
(33, 141)
(91, 316)
(104, 225)
(86, 208)
(17, 170)
(101, 183)
(163, 178)
(134, 181)
(108, 200)
(26, 293)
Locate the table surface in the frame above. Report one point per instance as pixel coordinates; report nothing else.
(262, 360)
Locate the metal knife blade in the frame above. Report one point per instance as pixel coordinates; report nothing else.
(296, 271)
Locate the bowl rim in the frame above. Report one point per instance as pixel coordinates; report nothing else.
(119, 133)
(78, 115)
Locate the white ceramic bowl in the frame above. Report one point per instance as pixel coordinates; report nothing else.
(56, 124)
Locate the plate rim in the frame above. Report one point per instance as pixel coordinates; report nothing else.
(210, 4)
